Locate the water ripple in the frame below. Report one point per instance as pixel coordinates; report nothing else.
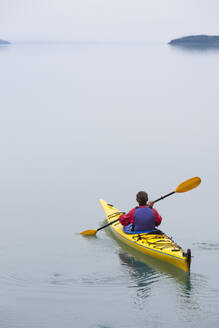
(207, 246)
(14, 281)
(92, 279)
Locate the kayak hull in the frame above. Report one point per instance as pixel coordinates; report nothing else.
(157, 245)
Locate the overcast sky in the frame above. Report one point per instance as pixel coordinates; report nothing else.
(107, 20)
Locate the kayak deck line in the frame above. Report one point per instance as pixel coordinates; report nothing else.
(167, 242)
(154, 250)
(156, 245)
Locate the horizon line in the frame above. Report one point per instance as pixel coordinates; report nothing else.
(51, 42)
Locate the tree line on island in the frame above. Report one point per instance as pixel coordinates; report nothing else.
(196, 41)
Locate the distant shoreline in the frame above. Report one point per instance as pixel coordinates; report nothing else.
(196, 41)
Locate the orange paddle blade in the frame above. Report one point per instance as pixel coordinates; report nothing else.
(188, 185)
(89, 232)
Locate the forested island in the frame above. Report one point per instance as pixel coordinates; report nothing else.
(2, 42)
(196, 41)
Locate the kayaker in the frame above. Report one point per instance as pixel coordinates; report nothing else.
(141, 218)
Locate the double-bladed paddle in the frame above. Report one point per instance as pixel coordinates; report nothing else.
(182, 187)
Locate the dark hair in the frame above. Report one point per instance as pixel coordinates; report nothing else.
(142, 198)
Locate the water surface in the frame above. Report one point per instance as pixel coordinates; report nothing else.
(81, 122)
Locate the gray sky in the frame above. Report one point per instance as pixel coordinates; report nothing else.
(112, 20)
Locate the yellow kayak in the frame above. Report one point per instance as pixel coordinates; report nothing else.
(155, 244)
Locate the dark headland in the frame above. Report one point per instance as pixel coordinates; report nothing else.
(196, 41)
(2, 42)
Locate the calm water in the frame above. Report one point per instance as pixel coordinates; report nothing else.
(81, 122)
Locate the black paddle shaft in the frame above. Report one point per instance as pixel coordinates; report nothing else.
(162, 197)
(110, 217)
(106, 225)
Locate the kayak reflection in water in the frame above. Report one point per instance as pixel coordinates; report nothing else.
(145, 271)
(142, 218)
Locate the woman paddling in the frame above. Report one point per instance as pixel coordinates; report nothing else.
(142, 218)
